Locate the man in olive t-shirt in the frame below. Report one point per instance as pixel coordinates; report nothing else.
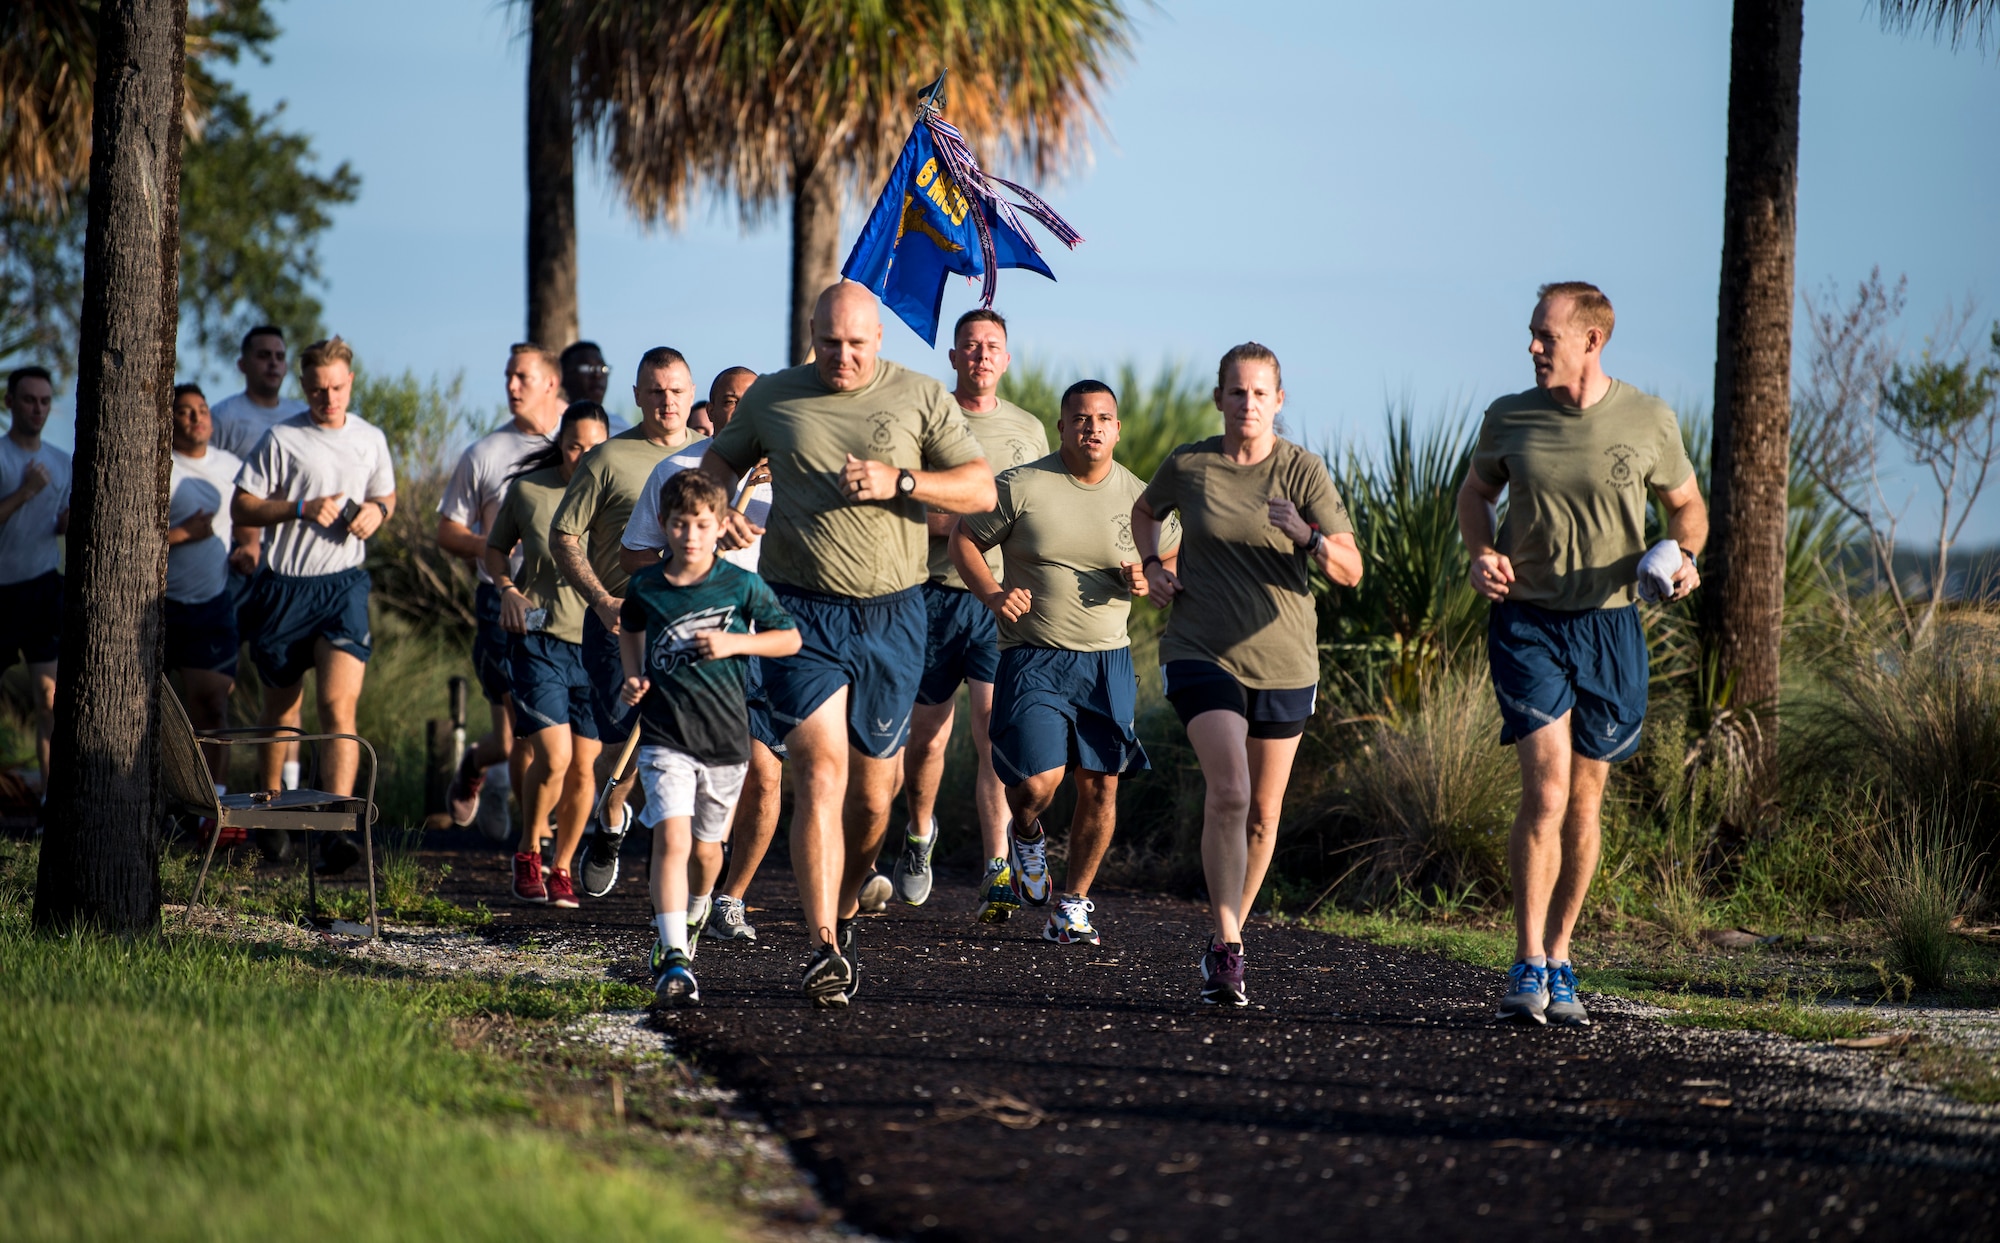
(585, 538)
(1065, 695)
(961, 645)
(858, 448)
(1576, 456)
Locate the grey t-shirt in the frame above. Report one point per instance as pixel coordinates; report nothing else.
(29, 546)
(299, 460)
(478, 484)
(240, 423)
(198, 571)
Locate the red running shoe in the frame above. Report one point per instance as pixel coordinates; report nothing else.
(528, 886)
(561, 892)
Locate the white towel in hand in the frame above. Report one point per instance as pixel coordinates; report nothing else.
(1657, 569)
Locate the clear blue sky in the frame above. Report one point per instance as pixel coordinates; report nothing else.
(1372, 190)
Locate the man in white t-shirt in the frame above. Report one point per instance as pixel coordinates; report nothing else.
(34, 513)
(756, 818)
(241, 421)
(324, 481)
(200, 616)
(472, 497)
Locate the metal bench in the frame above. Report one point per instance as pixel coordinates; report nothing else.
(188, 789)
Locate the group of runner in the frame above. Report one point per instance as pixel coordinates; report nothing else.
(809, 584)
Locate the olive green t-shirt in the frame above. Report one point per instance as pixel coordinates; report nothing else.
(601, 493)
(525, 514)
(1008, 436)
(1064, 541)
(1246, 597)
(818, 538)
(1576, 483)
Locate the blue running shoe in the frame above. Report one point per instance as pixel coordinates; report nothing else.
(1564, 1009)
(1527, 994)
(676, 985)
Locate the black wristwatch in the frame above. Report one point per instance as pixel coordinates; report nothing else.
(906, 483)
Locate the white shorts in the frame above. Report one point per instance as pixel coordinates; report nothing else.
(677, 784)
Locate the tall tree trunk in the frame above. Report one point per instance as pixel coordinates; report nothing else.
(552, 320)
(815, 246)
(101, 856)
(1745, 588)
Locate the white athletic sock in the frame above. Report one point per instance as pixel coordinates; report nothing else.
(697, 908)
(677, 930)
(1538, 960)
(291, 778)
(660, 929)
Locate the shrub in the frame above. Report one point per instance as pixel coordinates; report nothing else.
(1429, 799)
(1918, 875)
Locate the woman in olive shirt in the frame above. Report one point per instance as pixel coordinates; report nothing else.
(551, 689)
(1240, 654)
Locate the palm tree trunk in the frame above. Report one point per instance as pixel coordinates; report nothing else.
(815, 247)
(1745, 588)
(101, 857)
(552, 319)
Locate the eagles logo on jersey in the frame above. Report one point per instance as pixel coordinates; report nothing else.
(675, 645)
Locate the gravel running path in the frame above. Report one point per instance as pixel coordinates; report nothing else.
(989, 1085)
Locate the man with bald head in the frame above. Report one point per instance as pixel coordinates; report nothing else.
(859, 448)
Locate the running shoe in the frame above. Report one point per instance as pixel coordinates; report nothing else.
(463, 796)
(694, 936)
(656, 962)
(1527, 994)
(913, 867)
(1564, 1010)
(1222, 977)
(828, 978)
(843, 936)
(1069, 923)
(600, 861)
(562, 890)
(528, 886)
(997, 899)
(875, 893)
(726, 920)
(1030, 863)
(676, 985)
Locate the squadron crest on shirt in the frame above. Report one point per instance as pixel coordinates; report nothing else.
(884, 435)
(1621, 465)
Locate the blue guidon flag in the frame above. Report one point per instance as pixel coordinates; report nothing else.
(940, 213)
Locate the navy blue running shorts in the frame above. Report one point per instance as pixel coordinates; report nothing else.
(1060, 709)
(549, 685)
(285, 617)
(203, 636)
(1197, 686)
(31, 620)
(761, 728)
(606, 670)
(492, 646)
(961, 643)
(873, 645)
(1590, 664)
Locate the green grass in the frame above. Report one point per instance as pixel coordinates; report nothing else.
(179, 1087)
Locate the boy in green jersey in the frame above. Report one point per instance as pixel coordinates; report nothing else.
(684, 631)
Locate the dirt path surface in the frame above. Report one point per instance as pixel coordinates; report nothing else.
(989, 1085)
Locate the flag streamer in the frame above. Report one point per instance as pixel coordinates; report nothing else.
(941, 213)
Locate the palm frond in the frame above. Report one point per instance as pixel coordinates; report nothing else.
(1957, 22)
